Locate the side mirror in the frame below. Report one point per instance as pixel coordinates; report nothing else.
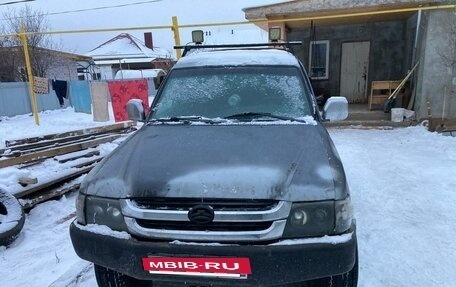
(336, 109)
(135, 110)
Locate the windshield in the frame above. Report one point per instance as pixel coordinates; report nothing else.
(221, 92)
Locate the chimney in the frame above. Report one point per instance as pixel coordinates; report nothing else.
(148, 41)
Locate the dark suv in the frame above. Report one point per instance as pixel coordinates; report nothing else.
(231, 181)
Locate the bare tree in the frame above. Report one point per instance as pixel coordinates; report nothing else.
(11, 57)
(7, 61)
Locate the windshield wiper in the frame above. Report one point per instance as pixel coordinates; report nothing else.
(269, 115)
(187, 120)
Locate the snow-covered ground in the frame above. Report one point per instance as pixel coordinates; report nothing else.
(403, 186)
(51, 122)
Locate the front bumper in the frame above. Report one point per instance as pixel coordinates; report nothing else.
(271, 264)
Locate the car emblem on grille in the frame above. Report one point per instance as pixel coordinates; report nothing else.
(201, 214)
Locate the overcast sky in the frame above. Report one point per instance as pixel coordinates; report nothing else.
(148, 14)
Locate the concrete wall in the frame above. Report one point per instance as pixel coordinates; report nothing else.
(387, 50)
(436, 79)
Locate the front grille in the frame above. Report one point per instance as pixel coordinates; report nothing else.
(217, 204)
(232, 220)
(213, 226)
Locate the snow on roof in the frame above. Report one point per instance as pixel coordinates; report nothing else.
(124, 61)
(267, 5)
(238, 58)
(126, 46)
(134, 74)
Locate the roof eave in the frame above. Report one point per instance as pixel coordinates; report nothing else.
(265, 6)
(301, 7)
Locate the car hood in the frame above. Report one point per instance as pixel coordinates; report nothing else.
(282, 162)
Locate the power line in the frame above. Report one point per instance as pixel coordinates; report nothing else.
(103, 7)
(87, 9)
(15, 2)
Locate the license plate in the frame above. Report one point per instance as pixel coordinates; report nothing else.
(236, 268)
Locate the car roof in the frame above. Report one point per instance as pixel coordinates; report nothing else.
(243, 57)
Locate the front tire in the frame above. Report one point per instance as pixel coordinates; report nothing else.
(12, 218)
(108, 278)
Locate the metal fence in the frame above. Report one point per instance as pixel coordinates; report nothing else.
(15, 99)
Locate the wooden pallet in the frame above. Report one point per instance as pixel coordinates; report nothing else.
(380, 92)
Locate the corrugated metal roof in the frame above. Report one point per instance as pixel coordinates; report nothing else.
(309, 6)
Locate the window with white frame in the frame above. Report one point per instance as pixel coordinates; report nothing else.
(319, 60)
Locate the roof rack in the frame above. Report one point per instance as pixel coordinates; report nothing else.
(287, 45)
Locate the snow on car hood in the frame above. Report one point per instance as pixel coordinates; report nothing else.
(295, 162)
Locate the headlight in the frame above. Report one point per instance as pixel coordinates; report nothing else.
(104, 211)
(310, 219)
(344, 215)
(80, 205)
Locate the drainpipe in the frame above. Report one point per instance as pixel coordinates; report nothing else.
(417, 35)
(411, 104)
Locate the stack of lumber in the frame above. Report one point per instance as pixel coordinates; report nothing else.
(75, 153)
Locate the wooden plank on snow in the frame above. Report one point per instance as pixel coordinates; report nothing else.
(65, 176)
(442, 125)
(90, 162)
(77, 155)
(26, 149)
(57, 151)
(56, 192)
(102, 129)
